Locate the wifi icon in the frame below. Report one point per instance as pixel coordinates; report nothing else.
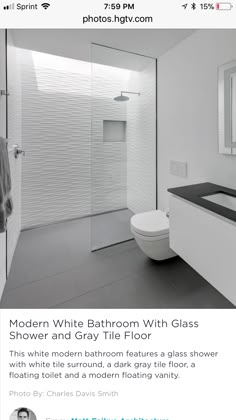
(45, 5)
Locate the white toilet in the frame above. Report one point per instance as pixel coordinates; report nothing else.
(151, 232)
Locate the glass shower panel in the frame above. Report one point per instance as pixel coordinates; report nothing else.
(123, 155)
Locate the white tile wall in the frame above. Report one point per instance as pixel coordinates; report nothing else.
(109, 160)
(57, 169)
(141, 135)
(56, 137)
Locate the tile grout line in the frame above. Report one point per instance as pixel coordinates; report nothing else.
(90, 291)
(72, 268)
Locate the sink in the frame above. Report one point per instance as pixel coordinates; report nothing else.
(222, 199)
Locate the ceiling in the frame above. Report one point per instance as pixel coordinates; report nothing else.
(76, 43)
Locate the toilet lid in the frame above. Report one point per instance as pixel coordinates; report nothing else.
(151, 223)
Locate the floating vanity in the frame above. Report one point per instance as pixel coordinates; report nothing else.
(203, 232)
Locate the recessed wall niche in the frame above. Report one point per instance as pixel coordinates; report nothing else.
(114, 131)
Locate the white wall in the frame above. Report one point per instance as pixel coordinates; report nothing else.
(2, 134)
(14, 135)
(187, 111)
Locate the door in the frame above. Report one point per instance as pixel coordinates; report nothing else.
(2, 134)
(10, 128)
(14, 132)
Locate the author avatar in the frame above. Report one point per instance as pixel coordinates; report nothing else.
(23, 413)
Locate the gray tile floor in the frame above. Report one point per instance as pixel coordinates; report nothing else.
(54, 268)
(110, 228)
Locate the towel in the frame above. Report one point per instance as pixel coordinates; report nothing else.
(6, 205)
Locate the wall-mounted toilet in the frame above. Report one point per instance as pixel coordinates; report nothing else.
(151, 232)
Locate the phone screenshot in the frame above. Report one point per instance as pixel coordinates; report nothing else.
(117, 210)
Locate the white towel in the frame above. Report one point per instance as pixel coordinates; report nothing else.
(6, 205)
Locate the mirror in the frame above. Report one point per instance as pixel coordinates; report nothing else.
(227, 108)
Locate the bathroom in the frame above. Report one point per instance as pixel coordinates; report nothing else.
(105, 122)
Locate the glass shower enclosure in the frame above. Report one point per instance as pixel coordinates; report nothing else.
(124, 142)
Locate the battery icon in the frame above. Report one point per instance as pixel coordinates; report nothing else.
(224, 6)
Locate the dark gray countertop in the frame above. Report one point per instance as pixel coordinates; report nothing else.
(195, 194)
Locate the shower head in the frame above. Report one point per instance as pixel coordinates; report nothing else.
(123, 98)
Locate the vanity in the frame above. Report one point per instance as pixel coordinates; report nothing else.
(203, 232)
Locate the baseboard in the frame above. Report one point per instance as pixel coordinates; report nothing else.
(70, 219)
